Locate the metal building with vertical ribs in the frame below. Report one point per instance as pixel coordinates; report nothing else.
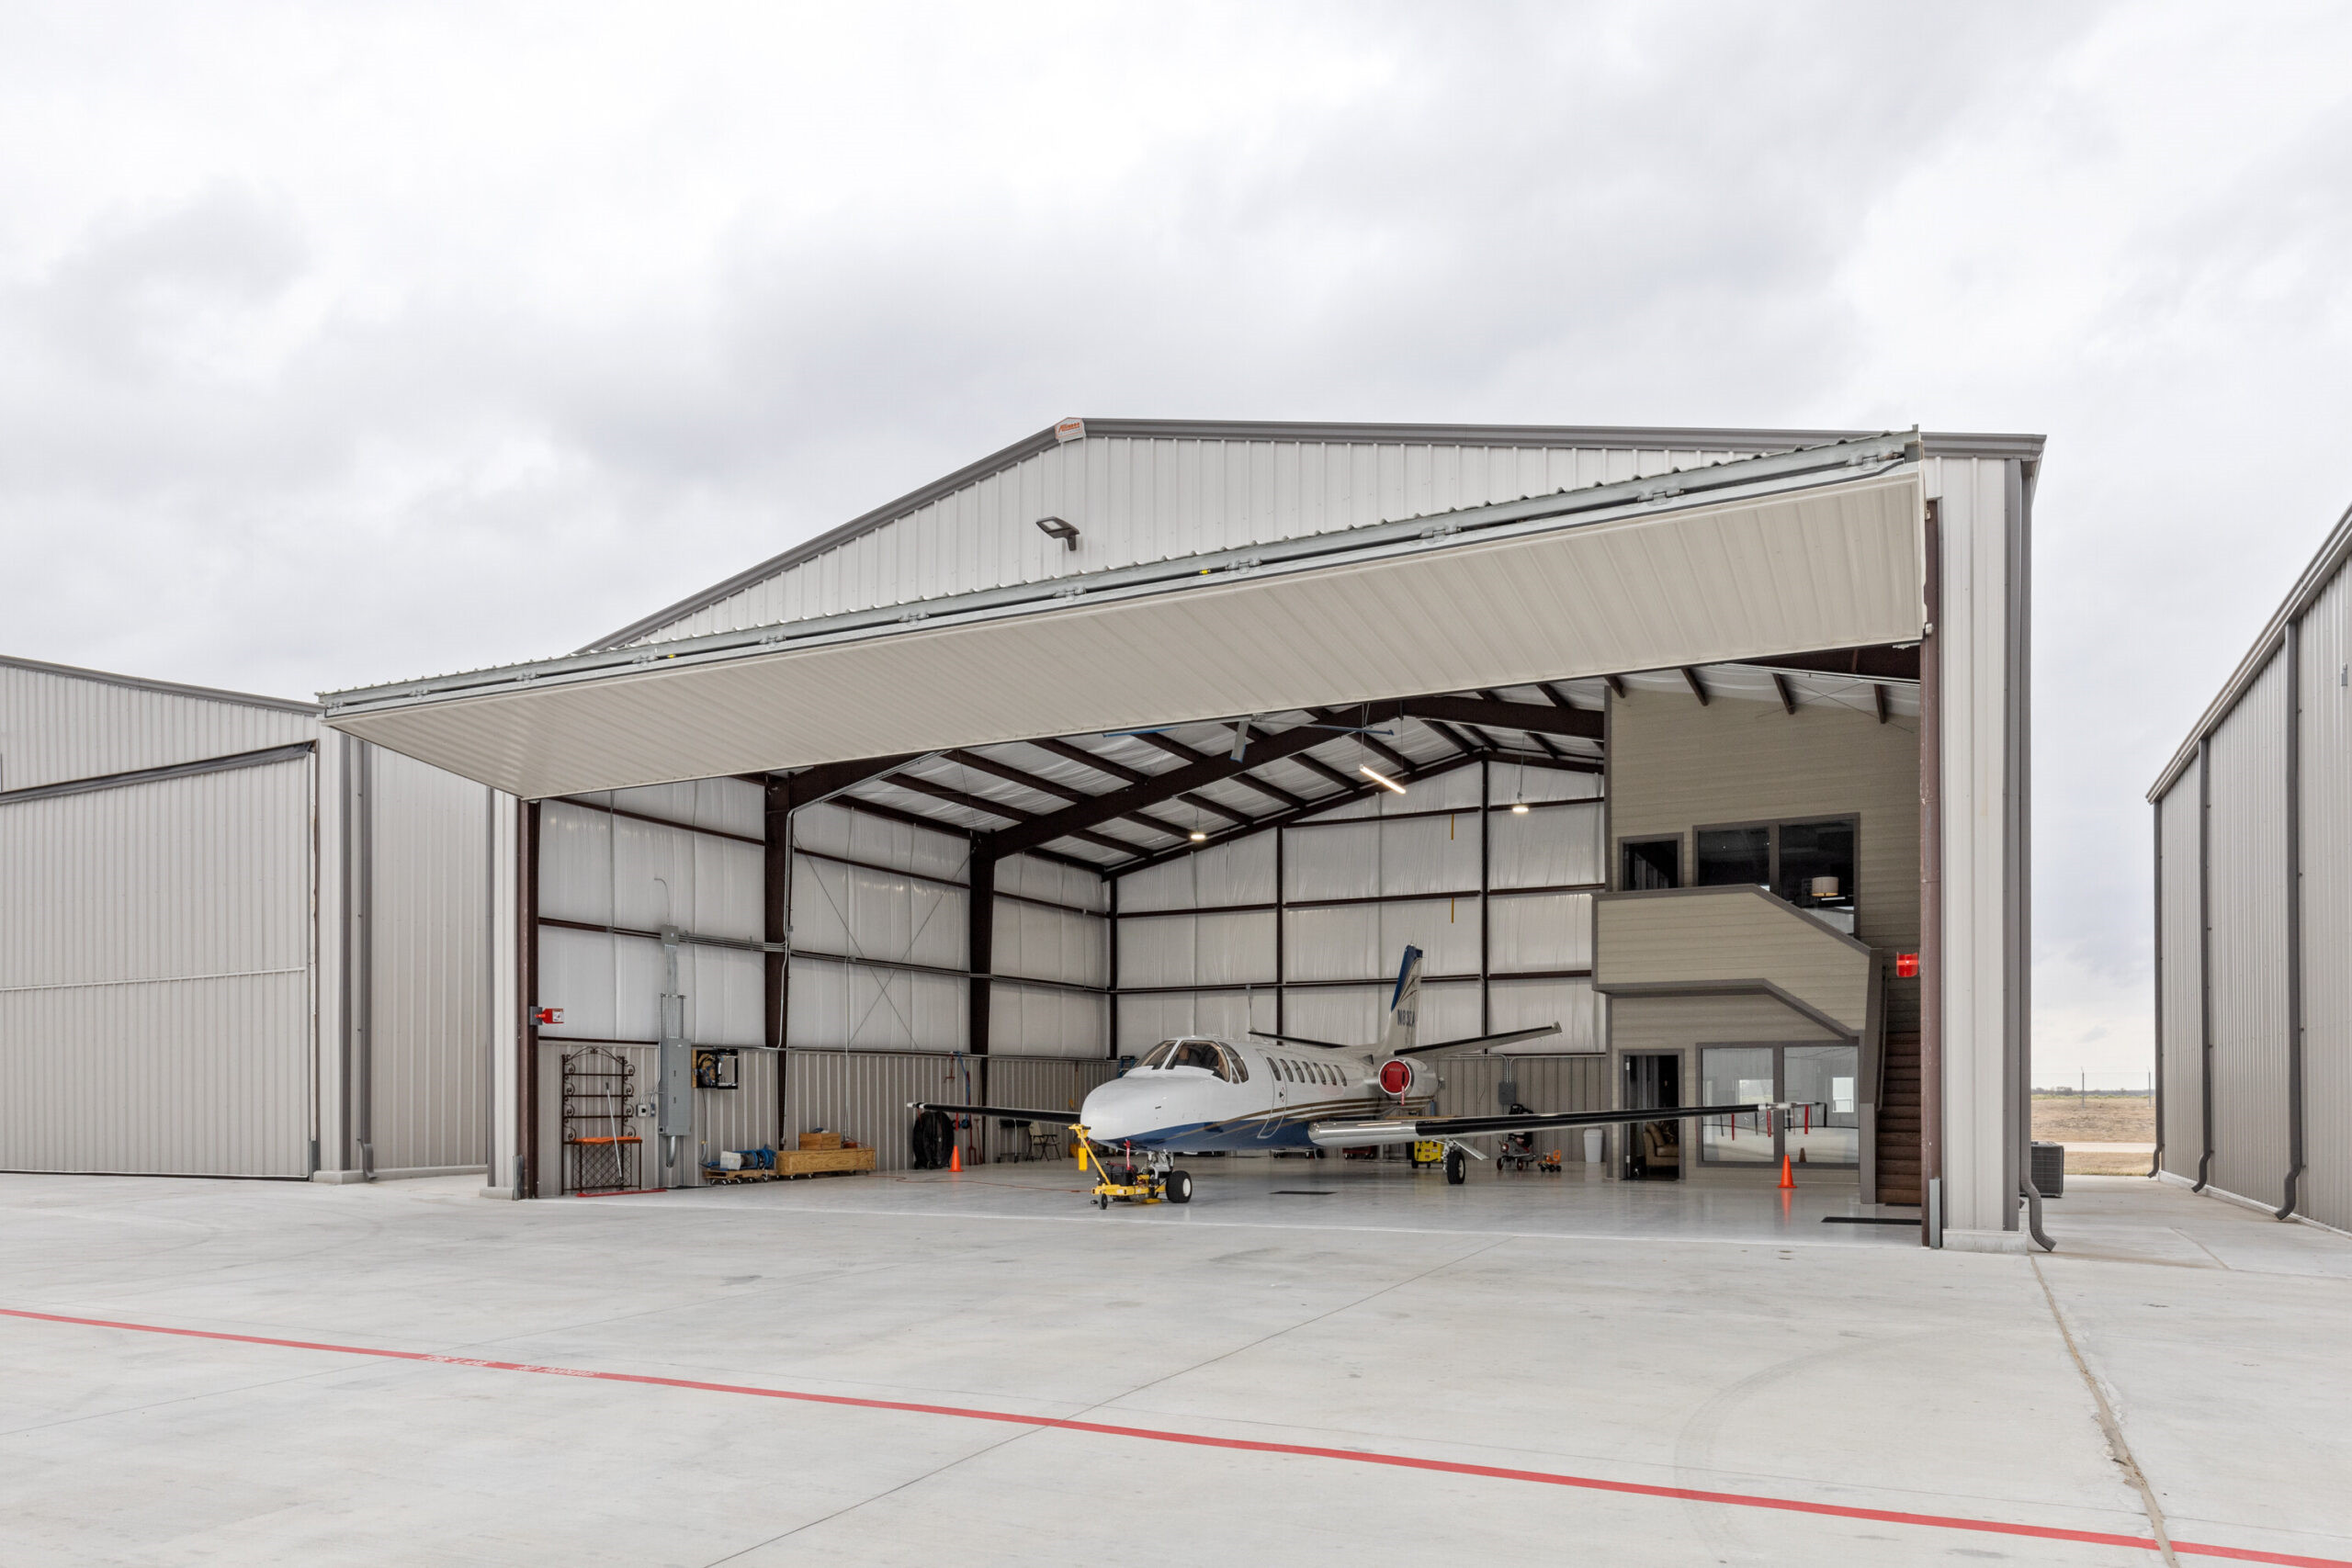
(232, 944)
(2253, 916)
(1708, 745)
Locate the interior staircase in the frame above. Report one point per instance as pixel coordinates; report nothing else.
(1898, 1121)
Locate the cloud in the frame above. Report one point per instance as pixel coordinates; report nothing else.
(342, 346)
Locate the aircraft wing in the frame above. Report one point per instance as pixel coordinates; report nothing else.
(1478, 1044)
(1441, 1129)
(1058, 1118)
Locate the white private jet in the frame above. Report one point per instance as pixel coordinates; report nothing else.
(1202, 1094)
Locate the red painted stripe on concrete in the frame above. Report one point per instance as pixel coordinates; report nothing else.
(1196, 1440)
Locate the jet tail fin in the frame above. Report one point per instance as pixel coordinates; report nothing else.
(1404, 1006)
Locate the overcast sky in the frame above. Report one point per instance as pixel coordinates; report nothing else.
(344, 346)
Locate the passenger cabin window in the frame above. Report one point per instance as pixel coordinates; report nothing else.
(1650, 864)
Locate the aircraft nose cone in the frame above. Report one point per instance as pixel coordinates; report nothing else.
(1119, 1109)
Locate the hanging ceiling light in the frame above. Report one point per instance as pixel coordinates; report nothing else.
(1519, 793)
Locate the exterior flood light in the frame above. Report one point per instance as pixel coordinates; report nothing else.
(1383, 780)
(1056, 528)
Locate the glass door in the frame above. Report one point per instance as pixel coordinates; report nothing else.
(1653, 1149)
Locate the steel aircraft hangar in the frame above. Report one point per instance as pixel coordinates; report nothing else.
(1709, 744)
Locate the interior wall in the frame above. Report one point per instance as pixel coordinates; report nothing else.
(1676, 765)
(1299, 930)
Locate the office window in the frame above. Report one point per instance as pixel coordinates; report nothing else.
(1810, 863)
(1729, 856)
(1823, 1125)
(1649, 864)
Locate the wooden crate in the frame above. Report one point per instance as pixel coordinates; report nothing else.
(819, 1162)
(813, 1141)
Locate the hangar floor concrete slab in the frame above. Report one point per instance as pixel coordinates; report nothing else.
(985, 1368)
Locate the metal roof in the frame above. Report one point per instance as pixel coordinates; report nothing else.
(2313, 581)
(169, 688)
(1739, 442)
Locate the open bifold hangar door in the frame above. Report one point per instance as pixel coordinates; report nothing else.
(1819, 548)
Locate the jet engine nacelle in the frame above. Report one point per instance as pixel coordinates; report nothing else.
(1402, 1078)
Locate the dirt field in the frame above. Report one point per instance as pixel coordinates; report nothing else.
(2097, 1119)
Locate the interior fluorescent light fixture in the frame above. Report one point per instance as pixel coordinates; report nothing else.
(1518, 808)
(1383, 780)
(1199, 837)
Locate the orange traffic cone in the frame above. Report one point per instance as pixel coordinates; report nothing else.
(1788, 1176)
(955, 1161)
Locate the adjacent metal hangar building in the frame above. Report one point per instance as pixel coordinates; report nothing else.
(1711, 745)
(234, 942)
(2253, 917)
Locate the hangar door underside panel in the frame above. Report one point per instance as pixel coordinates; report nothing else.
(1828, 565)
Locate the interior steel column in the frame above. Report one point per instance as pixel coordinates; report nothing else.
(980, 950)
(775, 931)
(1282, 940)
(1931, 887)
(1486, 829)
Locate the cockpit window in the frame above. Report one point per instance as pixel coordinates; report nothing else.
(1198, 1053)
(1158, 1056)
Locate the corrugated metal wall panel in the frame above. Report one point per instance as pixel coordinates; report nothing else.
(54, 727)
(433, 1028)
(1415, 861)
(1035, 942)
(867, 1007)
(1054, 883)
(154, 993)
(852, 911)
(1042, 1020)
(1239, 872)
(1038, 1083)
(2182, 1000)
(1145, 500)
(2248, 855)
(2326, 1188)
(864, 1095)
(1145, 1021)
(1474, 1086)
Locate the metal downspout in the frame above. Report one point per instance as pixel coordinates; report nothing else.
(2293, 653)
(2156, 1080)
(2204, 962)
(1932, 892)
(2017, 869)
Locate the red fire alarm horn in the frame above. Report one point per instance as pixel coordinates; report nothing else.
(546, 1015)
(1907, 965)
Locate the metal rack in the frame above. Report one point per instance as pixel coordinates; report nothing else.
(600, 1141)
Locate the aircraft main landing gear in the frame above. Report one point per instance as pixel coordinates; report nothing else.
(1457, 1168)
